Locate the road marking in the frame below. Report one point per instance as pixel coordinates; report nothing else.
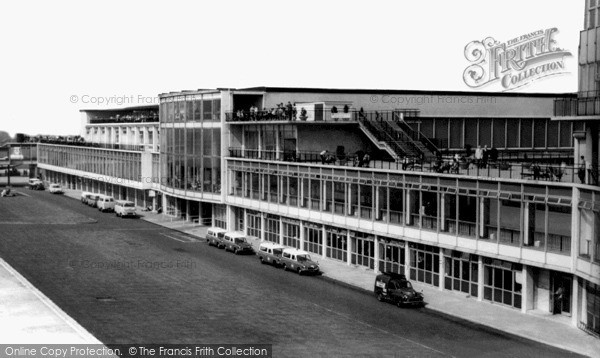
(181, 238)
(381, 329)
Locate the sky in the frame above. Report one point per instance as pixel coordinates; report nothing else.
(62, 56)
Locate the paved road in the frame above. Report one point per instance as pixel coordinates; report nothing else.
(127, 281)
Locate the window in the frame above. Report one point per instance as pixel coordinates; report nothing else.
(272, 229)
(424, 264)
(291, 234)
(502, 282)
(313, 239)
(461, 272)
(391, 256)
(336, 244)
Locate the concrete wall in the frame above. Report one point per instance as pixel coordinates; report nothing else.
(320, 137)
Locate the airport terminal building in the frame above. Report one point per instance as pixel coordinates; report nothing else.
(383, 180)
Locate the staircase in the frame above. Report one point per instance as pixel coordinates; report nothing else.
(390, 132)
(386, 138)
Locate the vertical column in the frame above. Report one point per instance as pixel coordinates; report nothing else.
(480, 278)
(246, 221)
(229, 217)
(406, 259)
(301, 235)
(277, 144)
(526, 239)
(187, 210)
(442, 269)
(324, 233)
(376, 255)
(281, 231)
(377, 215)
(263, 227)
(349, 199)
(484, 217)
(409, 201)
(527, 284)
(575, 302)
(443, 212)
(348, 248)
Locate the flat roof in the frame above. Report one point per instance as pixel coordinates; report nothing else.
(267, 89)
(124, 109)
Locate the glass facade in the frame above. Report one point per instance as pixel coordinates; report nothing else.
(502, 133)
(424, 263)
(461, 272)
(112, 163)
(483, 210)
(502, 282)
(191, 153)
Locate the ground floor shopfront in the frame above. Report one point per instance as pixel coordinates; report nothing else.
(143, 198)
(511, 284)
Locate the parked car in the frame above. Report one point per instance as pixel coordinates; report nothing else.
(270, 253)
(236, 242)
(125, 208)
(395, 288)
(105, 203)
(84, 196)
(91, 199)
(55, 189)
(214, 236)
(36, 184)
(299, 261)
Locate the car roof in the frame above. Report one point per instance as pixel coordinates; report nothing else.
(271, 245)
(391, 275)
(235, 234)
(295, 251)
(217, 229)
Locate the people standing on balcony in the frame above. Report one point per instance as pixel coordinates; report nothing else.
(288, 110)
(478, 155)
(485, 156)
(535, 168)
(346, 108)
(303, 114)
(361, 113)
(324, 155)
(294, 111)
(366, 160)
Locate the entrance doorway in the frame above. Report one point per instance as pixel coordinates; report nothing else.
(560, 295)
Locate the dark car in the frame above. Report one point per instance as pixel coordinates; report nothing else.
(395, 288)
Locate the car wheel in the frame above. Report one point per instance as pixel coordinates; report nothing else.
(399, 304)
(235, 251)
(299, 271)
(284, 266)
(379, 297)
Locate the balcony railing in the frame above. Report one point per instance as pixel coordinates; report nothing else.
(130, 147)
(521, 168)
(293, 114)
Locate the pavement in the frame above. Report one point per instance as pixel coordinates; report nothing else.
(28, 316)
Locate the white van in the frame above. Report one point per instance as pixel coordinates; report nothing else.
(125, 208)
(106, 203)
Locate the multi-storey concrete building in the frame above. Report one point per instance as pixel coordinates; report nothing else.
(368, 178)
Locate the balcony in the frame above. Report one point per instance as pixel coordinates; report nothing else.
(292, 115)
(505, 167)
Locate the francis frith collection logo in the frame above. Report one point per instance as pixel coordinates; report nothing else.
(516, 62)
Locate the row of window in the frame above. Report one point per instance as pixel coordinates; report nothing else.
(117, 164)
(507, 219)
(461, 271)
(195, 110)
